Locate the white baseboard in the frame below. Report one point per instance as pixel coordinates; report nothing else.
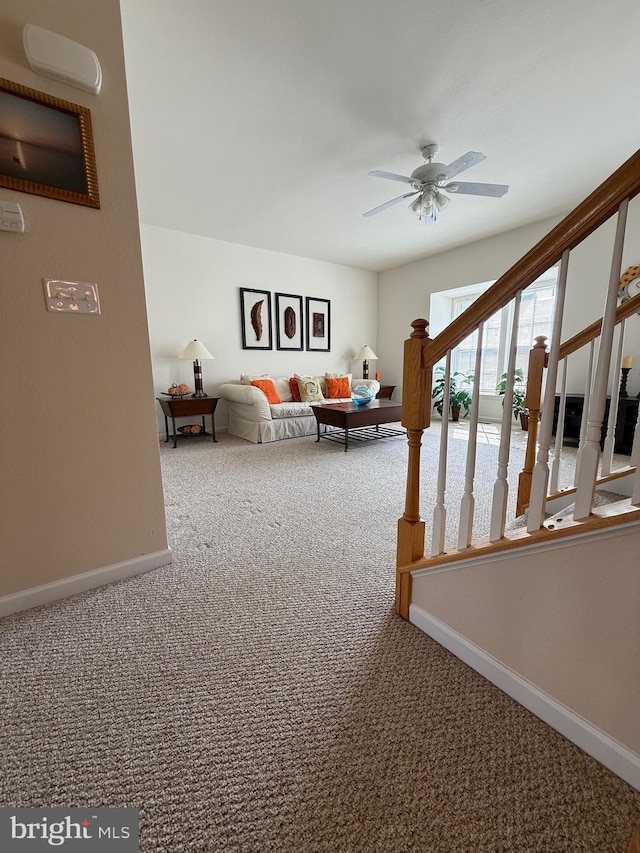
(605, 749)
(54, 591)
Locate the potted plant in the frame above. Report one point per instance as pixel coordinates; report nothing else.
(460, 397)
(518, 407)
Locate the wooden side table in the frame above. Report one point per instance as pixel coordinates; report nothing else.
(188, 407)
(385, 392)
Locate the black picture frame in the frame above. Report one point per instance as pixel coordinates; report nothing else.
(289, 322)
(46, 146)
(255, 311)
(318, 324)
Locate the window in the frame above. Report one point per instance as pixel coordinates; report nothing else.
(536, 318)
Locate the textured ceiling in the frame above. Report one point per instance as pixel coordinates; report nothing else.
(256, 121)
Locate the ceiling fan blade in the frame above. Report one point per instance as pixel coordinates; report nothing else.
(388, 204)
(495, 190)
(391, 176)
(465, 162)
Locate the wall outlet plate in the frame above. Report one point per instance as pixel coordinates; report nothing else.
(71, 297)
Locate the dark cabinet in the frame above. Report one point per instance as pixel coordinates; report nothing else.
(625, 422)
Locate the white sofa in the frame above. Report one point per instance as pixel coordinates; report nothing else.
(252, 417)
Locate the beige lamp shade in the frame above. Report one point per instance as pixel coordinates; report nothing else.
(365, 352)
(195, 350)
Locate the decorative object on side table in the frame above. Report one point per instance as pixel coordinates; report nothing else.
(460, 398)
(361, 395)
(191, 429)
(197, 351)
(627, 363)
(365, 354)
(176, 390)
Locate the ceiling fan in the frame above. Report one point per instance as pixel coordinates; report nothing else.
(429, 181)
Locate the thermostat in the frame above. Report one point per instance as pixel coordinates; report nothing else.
(11, 217)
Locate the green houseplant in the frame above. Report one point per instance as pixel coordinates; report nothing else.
(460, 397)
(518, 407)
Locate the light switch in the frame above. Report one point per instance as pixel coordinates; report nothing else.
(71, 297)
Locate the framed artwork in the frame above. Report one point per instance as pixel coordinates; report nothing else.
(318, 324)
(289, 321)
(46, 146)
(255, 310)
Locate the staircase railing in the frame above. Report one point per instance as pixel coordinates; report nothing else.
(537, 362)
(421, 354)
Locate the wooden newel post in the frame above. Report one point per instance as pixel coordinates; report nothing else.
(416, 399)
(538, 357)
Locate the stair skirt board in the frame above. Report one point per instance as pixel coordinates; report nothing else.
(15, 602)
(596, 743)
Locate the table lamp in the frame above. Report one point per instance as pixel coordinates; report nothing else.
(364, 354)
(197, 351)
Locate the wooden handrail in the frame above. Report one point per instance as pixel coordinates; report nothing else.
(603, 202)
(626, 309)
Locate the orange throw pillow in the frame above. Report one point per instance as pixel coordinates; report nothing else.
(295, 389)
(339, 388)
(268, 389)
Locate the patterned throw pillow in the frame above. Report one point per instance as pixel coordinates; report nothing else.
(310, 391)
(338, 388)
(268, 389)
(295, 389)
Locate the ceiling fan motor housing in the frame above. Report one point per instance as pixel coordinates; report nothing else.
(430, 173)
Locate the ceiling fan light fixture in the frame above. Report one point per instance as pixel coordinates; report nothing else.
(428, 180)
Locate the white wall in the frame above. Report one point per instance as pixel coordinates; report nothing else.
(80, 487)
(193, 291)
(404, 292)
(566, 620)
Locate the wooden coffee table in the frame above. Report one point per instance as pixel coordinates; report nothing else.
(358, 423)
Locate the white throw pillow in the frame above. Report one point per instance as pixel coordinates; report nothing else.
(338, 376)
(245, 379)
(283, 388)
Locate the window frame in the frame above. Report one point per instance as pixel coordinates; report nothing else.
(547, 281)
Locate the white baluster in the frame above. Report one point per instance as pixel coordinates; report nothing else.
(440, 511)
(540, 477)
(591, 451)
(609, 442)
(467, 504)
(635, 450)
(501, 486)
(557, 453)
(585, 409)
(635, 461)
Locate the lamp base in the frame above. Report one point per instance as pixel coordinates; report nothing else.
(623, 382)
(197, 378)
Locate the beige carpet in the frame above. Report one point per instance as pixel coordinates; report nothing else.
(259, 695)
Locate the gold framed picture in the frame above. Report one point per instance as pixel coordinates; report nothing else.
(46, 146)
